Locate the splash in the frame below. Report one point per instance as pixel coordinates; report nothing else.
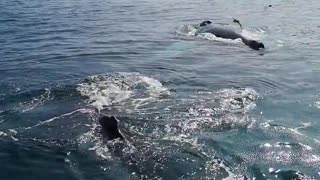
(123, 89)
(166, 132)
(235, 99)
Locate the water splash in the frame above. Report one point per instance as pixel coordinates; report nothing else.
(122, 89)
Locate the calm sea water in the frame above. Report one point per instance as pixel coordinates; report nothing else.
(190, 107)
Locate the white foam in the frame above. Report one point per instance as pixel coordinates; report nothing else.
(36, 101)
(212, 37)
(233, 99)
(63, 115)
(187, 30)
(14, 132)
(214, 166)
(121, 88)
(271, 170)
(184, 139)
(3, 134)
(267, 145)
(317, 104)
(257, 35)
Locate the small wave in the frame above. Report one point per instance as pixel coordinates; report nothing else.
(285, 153)
(61, 116)
(3, 134)
(294, 132)
(256, 35)
(288, 152)
(287, 145)
(215, 111)
(289, 174)
(317, 104)
(187, 30)
(121, 89)
(36, 101)
(209, 36)
(233, 99)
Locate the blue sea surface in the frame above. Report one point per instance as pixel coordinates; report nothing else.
(190, 107)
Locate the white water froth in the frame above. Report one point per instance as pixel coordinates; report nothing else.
(317, 104)
(233, 99)
(121, 89)
(36, 101)
(61, 116)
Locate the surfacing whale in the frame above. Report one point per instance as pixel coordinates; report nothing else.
(222, 32)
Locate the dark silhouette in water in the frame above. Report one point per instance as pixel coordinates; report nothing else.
(238, 22)
(204, 23)
(223, 32)
(110, 128)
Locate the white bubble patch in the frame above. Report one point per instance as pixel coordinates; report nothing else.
(317, 104)
(131, 89)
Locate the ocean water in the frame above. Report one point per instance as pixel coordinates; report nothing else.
(191, 107)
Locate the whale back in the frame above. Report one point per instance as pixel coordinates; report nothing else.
(218, 31)
(226, 33)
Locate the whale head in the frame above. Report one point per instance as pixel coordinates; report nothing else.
(255, 45)
(204, 23)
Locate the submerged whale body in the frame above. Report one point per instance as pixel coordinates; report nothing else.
(110, 128)
(219, 31)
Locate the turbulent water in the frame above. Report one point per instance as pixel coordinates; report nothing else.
(191, 106)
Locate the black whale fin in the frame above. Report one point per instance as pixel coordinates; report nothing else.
(238, 22)
(110, 128)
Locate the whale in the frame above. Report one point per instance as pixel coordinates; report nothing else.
(222, 32)
(144, 159)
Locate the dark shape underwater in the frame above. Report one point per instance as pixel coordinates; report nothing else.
(110, 127)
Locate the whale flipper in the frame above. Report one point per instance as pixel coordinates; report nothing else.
(238, 22)
(110, 128)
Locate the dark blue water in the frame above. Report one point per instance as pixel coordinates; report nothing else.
(190, 107)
